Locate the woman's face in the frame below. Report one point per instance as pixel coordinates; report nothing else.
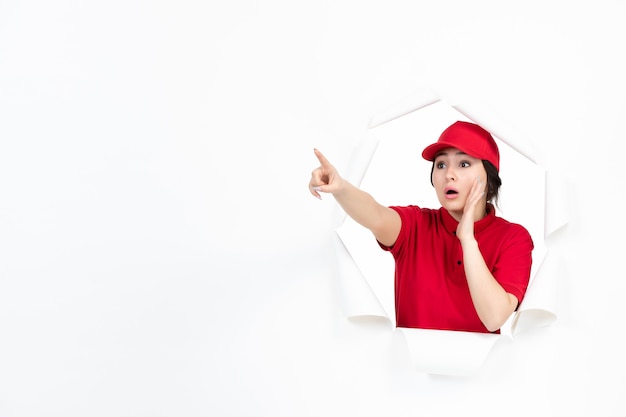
(454, 173)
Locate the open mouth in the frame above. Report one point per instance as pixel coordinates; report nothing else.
(451, 192)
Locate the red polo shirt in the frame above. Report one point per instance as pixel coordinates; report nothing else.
(431, 289)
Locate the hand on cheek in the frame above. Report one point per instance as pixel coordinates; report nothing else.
(465, 229)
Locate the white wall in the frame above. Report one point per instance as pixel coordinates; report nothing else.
(160, 253)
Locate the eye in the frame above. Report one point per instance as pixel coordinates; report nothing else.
(440, 165)
(465, 164)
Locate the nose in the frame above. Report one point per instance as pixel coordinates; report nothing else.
(450, 174)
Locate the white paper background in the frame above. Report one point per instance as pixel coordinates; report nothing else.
(160, 253)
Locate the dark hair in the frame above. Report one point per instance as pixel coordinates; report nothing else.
(493, 181)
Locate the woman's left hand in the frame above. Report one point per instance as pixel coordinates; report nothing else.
(465, 229)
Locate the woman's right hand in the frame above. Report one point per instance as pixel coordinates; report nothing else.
(324, 178)
(384, 222)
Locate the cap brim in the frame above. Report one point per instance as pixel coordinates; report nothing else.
(430, 152)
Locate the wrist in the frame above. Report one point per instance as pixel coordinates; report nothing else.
(469, 242)
(341, 186)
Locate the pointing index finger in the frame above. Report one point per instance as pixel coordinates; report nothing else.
(322, 159)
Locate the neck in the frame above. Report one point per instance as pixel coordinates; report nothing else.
(478, 214)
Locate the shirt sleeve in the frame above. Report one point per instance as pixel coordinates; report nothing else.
(512, 270)
(408, 218)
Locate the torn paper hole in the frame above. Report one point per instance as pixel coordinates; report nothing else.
(390, 167)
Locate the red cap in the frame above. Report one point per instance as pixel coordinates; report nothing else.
(469, 138)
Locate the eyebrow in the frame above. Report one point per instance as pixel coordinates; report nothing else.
(446, 153)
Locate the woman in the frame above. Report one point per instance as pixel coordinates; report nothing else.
(459, 267)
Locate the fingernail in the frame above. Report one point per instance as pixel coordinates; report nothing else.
(317, 188)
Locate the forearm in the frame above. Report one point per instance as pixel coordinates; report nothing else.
(382, 221)
(492, 303)
(359, 205)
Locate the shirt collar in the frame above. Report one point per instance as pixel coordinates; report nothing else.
(451, 224)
